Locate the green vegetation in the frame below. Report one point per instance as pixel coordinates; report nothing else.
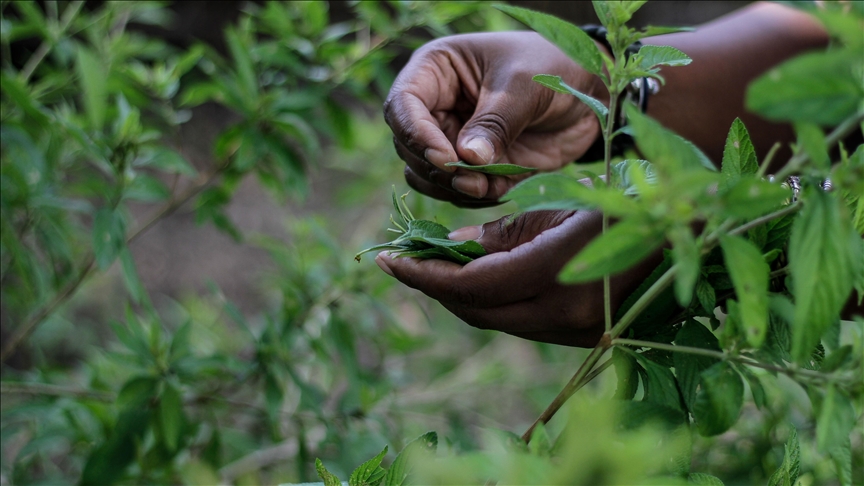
(343, 363)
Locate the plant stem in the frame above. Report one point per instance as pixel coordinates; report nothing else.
(14, 387)
(23, 331)
(583, 375)
(768, 158)
(795, 206)
(843, 129)
(607, 163)
(45, 47)
(792, 372)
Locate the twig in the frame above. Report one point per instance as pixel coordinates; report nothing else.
(767, 161)
(845, 128)
(607, 163)
(45, 47)
(23, 331)
(14, 387)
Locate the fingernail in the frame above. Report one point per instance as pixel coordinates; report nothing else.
(468, 185)
(465, 234)
(439, 158)
(482, 147)
(379, 260)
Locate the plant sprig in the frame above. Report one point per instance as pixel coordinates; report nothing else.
(420, 238)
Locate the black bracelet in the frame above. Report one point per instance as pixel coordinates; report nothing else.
(638, 91)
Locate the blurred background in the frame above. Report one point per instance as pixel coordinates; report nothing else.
(251, 136)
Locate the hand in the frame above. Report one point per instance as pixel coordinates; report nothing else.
(514, 288)
(470, 97)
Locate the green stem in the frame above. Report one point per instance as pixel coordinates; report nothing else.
(607, 162)
(768, 159)
(761, 220)
(789, 371)
(843, 129)
(23, 331)
(44, 48)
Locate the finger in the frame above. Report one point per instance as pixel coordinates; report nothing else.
(535, 317)
(442, 194)
(512, 231)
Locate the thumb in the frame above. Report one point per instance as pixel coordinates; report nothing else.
(511, 231)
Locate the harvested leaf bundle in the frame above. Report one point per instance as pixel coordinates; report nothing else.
(424, 239)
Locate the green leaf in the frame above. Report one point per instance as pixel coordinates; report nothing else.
(423, 446)
(811, 139)
(823, 262)
(739, 156)
(686, 253)
(818, 87)
(651, 30)
(560, 192)
(329, 478)
(842, 458)
(756, 388)
(749, 198)
(625, 371)
(787, 473)
(669, 153)
(493, 169)
(659, 384)
(243, 63)
(706, 296)
(719, 401)
(835, 420)
(650, 56)
(617, 13)
(171, 416)
(109, 236)
(130, 276)
(624, 245)
(703, 479)
(575, 43)
(689, 367)
(540, 444)
(166, 160)
(146, 188)
(749, 274)
(93, 77)
(370, 473)
(137, 392)
(557, 84)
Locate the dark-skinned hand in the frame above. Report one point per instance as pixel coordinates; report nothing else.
(514, 288)
(470, 97)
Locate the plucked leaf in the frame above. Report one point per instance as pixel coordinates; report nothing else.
(575, 43)
(557, 84)
(719, 401)
(494, 169)
(749, 274)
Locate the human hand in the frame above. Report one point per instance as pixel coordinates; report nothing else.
(470, 97)
(514, 288)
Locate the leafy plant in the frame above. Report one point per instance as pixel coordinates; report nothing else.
(420, 238)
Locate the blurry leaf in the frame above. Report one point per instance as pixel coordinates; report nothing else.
(624, 245)
(273, 394)
(703, 479)
(655, 317)
(243, 64)
(493, 169)
(625, 371)
(686, 253)
(93, 77)
(616, 13)
(212, 453)
(19, 93)
(130, 276)
(109, 236)
(575, 43)
(750, 198)
(823, 261)
(651, 55)
(557, 191)
(171, 416)
(689, 367)
(756, 388)
(841, 455)
(778, 233)
(539, 444)
(837, 359)
(557, 84)
(818, 87)
(137, 392)
(637, 414)
(325, 475)
(835, 420)
(107, 462)
(146, 188)
(811, 140)
(739, 156)
(167, 160)
(749, 274)
(651, 30)
(370, 473)
(787, 473)
(719, 401)
(669, 153)
(416, 450)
